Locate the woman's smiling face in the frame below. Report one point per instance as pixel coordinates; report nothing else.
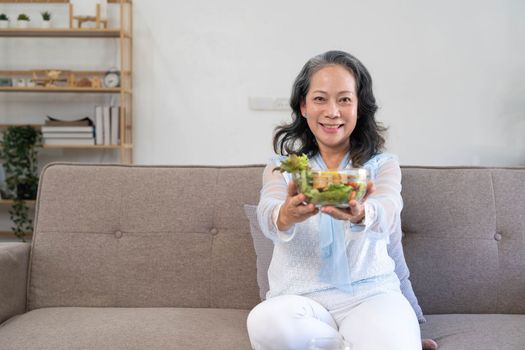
(330, 107)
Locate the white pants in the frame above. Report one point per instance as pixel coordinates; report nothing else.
(380, 321)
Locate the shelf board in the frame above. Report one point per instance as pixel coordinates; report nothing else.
(38, 126)
(11, 234)
(61, 33)
(4, 126)
(61, 89)
(63, 72)
(35, 1)
(51, 1)
(10, 202)
(83, 146)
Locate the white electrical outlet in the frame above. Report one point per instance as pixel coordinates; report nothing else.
(281, 104)
(268, 103)
(261, 103)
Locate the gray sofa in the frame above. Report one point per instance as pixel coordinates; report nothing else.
(140, 257)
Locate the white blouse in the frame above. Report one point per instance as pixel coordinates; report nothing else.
(296, 260)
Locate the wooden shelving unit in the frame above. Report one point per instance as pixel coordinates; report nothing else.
(124, 37)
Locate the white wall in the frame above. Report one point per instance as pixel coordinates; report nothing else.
(449, 75)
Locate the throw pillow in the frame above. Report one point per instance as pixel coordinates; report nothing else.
(264, 250)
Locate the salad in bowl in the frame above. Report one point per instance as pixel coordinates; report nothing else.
(326, 187)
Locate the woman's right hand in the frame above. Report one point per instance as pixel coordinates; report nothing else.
(294, 209)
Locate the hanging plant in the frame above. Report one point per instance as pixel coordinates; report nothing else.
(18, 149)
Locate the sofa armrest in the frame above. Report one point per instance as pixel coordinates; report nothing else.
(14, 262)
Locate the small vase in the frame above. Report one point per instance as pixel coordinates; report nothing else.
(22, 24)
(46, 24)
(4, 24)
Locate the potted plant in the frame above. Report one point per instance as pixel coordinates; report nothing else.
(4, 21)
(18, 149)
(46, 19)
(22, 20)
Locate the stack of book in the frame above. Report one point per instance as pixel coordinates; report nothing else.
(68, 132)
(107, 124)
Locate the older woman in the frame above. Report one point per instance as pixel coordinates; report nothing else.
(352, 294)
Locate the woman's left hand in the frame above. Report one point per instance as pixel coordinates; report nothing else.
(355, 212)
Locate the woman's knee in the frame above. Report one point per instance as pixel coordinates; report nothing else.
(386, 321)
(286, 322)
(276, 309)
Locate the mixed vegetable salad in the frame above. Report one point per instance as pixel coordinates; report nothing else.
(325, 187)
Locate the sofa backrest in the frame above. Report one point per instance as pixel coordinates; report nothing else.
(465, 238)
(146, 236)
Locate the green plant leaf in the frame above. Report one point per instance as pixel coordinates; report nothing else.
(19, 148)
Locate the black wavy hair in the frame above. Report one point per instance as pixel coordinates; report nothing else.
(367, 138)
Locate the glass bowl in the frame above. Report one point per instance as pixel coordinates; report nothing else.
(332, 187)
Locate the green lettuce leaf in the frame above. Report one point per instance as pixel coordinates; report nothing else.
(294, 164)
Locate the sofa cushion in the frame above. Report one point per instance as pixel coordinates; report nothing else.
(480, 332)
(264, 250)
(73, 328)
